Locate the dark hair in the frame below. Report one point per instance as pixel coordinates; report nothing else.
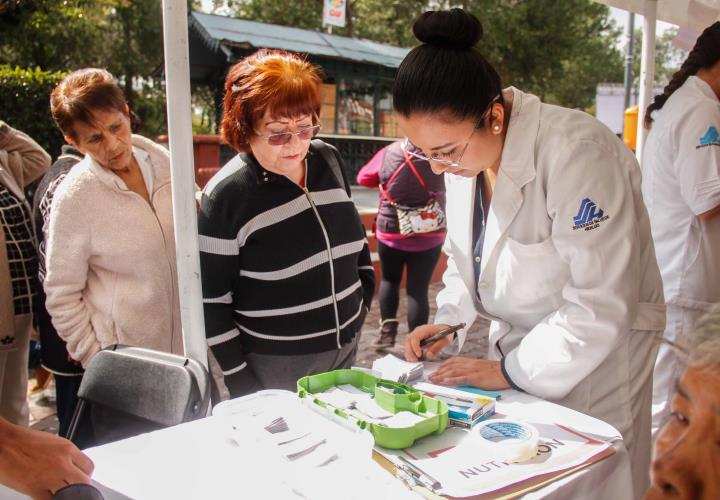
(704, 54)
(282, 82)
(82, 92)
(135, 121)
(447, 73)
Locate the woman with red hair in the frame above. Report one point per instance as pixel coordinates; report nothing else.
(286, 271)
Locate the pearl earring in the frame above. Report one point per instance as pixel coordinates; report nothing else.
(496, 128)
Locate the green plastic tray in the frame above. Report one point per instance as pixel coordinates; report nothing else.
(402, 398)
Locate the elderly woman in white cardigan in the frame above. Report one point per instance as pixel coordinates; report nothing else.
(111, 275)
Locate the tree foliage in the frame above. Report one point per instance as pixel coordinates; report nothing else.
(24, 104)
(668, 58)
(55, 34)
(557, 50)
(385, 21)
(124, 36)
(305, 14)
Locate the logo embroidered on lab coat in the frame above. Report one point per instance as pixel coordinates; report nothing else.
(589, 216)
(711, 138)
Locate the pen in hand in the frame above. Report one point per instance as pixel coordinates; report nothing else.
(439, 335)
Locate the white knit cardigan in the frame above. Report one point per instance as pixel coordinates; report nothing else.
(111, 268)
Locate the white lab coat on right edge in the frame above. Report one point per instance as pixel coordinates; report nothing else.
(681, 180)
(568, 270)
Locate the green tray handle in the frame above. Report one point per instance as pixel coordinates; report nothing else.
(395, 397)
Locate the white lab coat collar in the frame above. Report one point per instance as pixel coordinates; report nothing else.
(517, 168)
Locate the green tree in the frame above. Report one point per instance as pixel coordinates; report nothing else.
(24, 104)
(204, 120)
(387, 21)
(305, 14)
(136, 47)
(378, 20)
(557, 50)
(668, 58)
(124, 36)
(54, 35)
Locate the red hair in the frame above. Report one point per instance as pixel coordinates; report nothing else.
(269, 80)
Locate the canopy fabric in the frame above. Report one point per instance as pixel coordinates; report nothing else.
(693, 14)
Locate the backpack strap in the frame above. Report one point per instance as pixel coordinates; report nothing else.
(383, 190)
(332, 162)
(408, 161)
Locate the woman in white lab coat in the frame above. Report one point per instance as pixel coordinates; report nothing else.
(681, 186)
(548, 237)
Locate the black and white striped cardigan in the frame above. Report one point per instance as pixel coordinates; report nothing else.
(269, 285)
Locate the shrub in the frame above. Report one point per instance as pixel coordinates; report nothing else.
(25, 104)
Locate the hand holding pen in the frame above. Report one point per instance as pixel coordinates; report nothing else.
(426, 341)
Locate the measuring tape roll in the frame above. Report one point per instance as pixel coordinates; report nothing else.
(509, 440)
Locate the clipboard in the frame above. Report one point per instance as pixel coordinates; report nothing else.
(509, 492)
(411, 485)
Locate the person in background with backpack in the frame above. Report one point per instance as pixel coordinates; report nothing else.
(410, 231)
(286, 272)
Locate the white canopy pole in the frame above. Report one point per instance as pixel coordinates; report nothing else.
(177, 85)
(647, 73)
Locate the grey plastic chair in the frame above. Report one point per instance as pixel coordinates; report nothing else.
(131, 390)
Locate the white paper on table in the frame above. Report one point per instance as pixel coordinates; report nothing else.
(403, 419)
(370, 408)
(440, 390)
(336, 398)
(309, 440)
(367, 408)
(465, 468)
(351, 389)
(394, 368)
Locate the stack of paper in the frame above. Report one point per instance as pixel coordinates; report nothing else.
(398, 370)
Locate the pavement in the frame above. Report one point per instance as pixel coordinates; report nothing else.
(476, 345)
(43, 413)
(366, 200)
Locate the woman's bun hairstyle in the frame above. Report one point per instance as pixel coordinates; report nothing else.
(446, 73)
(452, 28)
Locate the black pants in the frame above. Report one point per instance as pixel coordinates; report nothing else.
(420, 267)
